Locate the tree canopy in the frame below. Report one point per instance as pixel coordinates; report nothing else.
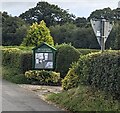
(37, 34)
(106, 13)
(64, 27)
(50, 13)
(13, 29)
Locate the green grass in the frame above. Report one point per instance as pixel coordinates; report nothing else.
(84, 98)
(13, 75)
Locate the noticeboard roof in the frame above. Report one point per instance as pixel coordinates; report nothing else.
(44, 44)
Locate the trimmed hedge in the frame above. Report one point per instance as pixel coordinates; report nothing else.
(26, 61)
(100, 70)
(43, 77)
(71, 80)
(16, 58)
(11, 57)
(22, 59)
(87, 51)
(66, 55)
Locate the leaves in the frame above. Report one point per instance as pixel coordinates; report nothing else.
(37, 34)
(50, 13)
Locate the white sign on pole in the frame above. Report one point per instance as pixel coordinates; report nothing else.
(98, 27)
(107, 29)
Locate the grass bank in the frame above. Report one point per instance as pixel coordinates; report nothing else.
(84, 98)
(13, 75)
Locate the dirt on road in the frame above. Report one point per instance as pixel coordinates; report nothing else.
(42, 90)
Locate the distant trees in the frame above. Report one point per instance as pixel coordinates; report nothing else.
(37, 34)
(79, 37)
(13, 30)
(51, 14)
(106, 13)
(80, 22)
(64, 27)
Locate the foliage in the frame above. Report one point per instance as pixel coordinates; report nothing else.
(51, 14)
(116, 42)
(43, 77)
(15, 58)
(66, 55)
(85, 98)
(71, 80)
(63, 26)
(87, 51)
(80, 22)
(37, 34)
(25, 61)
(11, 57)
(101, 71)
(63, 33)
(79, 37)
(105, 13)
(13, 74)
(23, 48)
(13, 30)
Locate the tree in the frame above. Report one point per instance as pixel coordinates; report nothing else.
(51, 14)
(104, 13)
(116, 43)
(63, 33)
(37, 34)
(13, 30)
(80, 22)
(79, 37)
(116, 14)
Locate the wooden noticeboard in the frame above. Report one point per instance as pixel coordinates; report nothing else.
(44, 57)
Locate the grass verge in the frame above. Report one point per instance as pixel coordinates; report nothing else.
(13, 75)
(84, 98)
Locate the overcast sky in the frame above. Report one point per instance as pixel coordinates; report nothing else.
(80, 8)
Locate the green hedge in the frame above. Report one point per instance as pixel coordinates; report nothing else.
(16, 58)
(26, 61)
(66, 55)
(43, 77)
(10, 56)
(87, 51)
(71, 80)
(101, 70)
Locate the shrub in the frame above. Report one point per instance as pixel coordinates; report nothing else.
(71, 80)
(87, 51)
(66, 55)
(101, 70)
(15, 58)
(43, 77)
(13, 75)
(26, 61)
(10, 56)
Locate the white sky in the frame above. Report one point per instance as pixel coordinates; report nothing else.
(80, 8)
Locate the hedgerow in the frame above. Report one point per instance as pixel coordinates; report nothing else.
(16, 58)
(66, 55)
(100, 70)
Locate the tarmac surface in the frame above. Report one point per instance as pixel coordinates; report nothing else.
(16, 98)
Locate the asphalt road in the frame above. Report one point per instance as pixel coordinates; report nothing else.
(15, 98)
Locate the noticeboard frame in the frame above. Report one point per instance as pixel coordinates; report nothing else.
(44, 45)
